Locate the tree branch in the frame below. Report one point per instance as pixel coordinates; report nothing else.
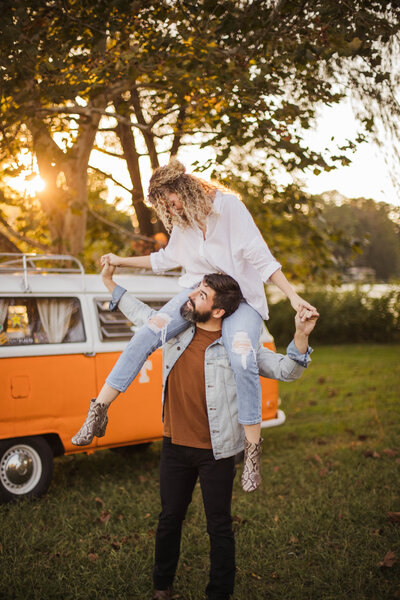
(108, 152)
(109, 176)
(21, 237)
(133, 236)
(88, 113)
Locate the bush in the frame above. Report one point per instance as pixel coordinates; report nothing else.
(345, 318)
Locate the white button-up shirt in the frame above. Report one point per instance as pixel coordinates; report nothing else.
(232, 244)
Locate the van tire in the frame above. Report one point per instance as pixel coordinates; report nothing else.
(26, 468)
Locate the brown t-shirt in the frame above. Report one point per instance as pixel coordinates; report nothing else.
(185, 408)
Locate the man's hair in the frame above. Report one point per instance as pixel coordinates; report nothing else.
(228, 294)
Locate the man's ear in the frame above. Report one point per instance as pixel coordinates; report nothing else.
(218, 313)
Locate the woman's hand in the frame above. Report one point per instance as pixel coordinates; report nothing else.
(110, 259)
(304, 309)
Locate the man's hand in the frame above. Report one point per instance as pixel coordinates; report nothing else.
(303, 308)
(107, 276)
(305, 321)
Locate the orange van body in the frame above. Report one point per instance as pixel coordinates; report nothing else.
(50, 394)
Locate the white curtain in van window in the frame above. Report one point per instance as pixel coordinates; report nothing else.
(3, 310)
(55, 315)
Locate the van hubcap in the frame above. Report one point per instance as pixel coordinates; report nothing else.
(20, 469)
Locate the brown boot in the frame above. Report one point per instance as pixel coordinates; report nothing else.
(251, 476)
(95, 424)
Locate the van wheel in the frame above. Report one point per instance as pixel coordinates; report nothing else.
(26, 468)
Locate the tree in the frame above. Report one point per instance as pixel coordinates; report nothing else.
(243, 78)
(376, 224)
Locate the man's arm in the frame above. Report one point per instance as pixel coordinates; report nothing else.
(136, 311)
(289, 366)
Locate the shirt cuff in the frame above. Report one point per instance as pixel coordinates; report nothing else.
(117, 294)
(270, 270)
(302, 359)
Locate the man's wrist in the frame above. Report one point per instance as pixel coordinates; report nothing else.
(109, 283)
(301, 341)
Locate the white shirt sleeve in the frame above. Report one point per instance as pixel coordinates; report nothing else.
(168, 257)
(247, 239)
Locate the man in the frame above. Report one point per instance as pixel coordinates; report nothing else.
(201, 432)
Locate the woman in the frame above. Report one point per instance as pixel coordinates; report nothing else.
(211, 230)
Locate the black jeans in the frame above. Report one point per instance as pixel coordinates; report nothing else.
(179, 469)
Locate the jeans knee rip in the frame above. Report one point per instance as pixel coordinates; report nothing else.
(242, 345)
(159, 324)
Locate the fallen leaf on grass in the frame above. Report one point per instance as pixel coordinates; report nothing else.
(256, 576)
(276, 469)
(104, 517)
(394, 517)
(389, 560)
(92, 556)
(371, 454)
(99, 500)
(151, 533)
(390, 452)
(323, 472)
(321, 380)
(276, 518)
(293, 540)
(115, 545)
(238, 520)
(332, 393)
(142, 478)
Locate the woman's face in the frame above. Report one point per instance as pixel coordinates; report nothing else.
(174, 204)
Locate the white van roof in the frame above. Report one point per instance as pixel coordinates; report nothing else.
(24, 274)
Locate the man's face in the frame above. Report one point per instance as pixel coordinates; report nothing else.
(198, 309)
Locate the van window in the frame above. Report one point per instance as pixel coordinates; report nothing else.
(114, 326)
(25, 321)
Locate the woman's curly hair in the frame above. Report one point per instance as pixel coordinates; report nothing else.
(195, 195)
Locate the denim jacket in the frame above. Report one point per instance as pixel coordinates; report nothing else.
(227, 434)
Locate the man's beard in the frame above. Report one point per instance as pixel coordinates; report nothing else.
(194, 316)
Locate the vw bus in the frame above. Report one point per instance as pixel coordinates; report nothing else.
(58, 342)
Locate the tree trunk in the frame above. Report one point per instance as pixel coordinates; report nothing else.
(7, 245)
(64, 199)
(128, 144)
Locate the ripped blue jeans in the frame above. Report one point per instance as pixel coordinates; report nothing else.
(240, 334)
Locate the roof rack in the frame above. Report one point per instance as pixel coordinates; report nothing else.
(26, 264)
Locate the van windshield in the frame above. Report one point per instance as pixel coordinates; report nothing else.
(25, 321)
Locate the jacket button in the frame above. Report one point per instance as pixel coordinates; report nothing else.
(178, 348)
(167, 366)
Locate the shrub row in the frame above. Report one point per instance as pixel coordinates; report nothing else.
(345, 318)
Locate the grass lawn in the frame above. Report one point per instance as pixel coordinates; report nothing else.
(319, 528)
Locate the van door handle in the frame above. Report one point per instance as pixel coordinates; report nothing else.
(90, 354)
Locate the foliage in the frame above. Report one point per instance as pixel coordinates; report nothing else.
(377, 224)
(108, 229)
(154, 76)
(318, 528)
(345, 318)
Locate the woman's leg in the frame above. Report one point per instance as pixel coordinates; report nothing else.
(241, 334)
(167, 323)
(162, 326)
